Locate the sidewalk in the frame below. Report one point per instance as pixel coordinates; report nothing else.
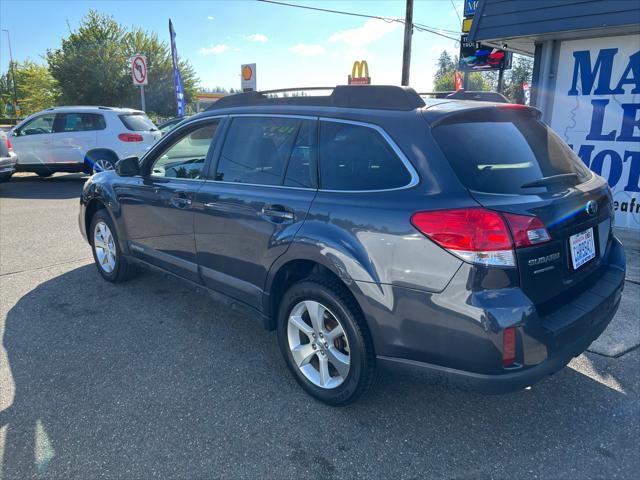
(623, 334)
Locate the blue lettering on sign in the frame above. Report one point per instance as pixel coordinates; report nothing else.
(470, 7)
(601, 72)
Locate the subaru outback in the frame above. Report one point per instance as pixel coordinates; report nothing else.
(369, 226)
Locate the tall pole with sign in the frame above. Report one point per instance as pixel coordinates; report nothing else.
(139, 75)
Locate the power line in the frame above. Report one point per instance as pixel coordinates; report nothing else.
(456, 10)
(416, 26)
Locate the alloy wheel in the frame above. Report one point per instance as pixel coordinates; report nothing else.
(105, 247)
(102, 165)
(318, 344)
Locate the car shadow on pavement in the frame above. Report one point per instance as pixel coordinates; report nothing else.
(57, 187)
(152, 379)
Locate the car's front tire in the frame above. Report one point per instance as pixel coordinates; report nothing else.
(110, 262)
(325, 341)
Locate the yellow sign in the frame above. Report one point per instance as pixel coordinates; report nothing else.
(359, 67)
(466, 25)
(247, 72)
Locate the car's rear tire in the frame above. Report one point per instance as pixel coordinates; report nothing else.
(325, 341)
(110, 262)
(102, 164)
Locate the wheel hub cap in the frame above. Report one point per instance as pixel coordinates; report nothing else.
(318, 344)
(105, 247)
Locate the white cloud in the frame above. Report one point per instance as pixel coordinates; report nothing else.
(308, 50)
(371, 31)
(257, 37)
(210, 17)
(215, 49)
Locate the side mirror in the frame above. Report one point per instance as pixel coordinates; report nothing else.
(128, 167)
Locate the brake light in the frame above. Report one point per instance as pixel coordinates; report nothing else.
(481, 236)
(9, 147)
(508, 346)
(130, 137)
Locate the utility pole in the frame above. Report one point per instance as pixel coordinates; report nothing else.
(501, 80)
(406, 52)
(13, 75)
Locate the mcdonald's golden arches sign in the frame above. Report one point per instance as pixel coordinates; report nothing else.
(362, 69)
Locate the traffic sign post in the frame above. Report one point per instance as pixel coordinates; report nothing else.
(139, 75)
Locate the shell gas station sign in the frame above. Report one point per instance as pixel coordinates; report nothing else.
(360, 68)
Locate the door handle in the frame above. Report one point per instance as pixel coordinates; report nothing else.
(180, 200)
(278, 211)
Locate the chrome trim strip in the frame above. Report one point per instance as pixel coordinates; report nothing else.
(276, 115)
(415, 178)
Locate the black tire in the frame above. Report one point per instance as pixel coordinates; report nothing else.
(5, 177)
(333, 295)
(44, 174)
(123, 269)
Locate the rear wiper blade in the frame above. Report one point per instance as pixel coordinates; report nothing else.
(543, 182)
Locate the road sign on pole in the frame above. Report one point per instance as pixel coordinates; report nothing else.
(139, 75)
(248, 80)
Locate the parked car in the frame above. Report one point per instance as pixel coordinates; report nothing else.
(81, 139)
(167, 126)
(369, 227)
(8, 158)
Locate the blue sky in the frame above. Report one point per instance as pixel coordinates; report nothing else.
(292, 47)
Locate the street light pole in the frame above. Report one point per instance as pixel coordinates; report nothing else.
(13, 75)
(406, 52)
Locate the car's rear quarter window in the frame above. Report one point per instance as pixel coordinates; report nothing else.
(137, 122)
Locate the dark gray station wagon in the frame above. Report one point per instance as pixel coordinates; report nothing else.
(367, 226)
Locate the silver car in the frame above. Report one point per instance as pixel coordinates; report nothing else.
(8, 158)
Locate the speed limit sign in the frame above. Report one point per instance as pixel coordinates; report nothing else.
(139, 70)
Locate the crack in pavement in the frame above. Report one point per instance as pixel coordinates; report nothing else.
(17, 272)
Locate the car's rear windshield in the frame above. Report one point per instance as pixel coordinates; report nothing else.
(503, 155)
(138, 122)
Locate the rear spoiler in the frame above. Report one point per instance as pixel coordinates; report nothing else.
(478, 112)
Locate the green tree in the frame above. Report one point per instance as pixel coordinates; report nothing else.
(35, 87)
(92, 67)
(522, 69)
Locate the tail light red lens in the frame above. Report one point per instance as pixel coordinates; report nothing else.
(130, 137)
(9, 147)
(508, 347)
(526, 231)
(479, 235)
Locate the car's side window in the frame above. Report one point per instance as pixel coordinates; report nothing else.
(302, 170)
(257, 151)
(185, 158)
(79, 122)
(357, 157)
(38, 125)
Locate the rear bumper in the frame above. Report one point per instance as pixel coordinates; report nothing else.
(459, 331)
(8, 164)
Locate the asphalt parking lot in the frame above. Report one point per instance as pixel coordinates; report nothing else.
(150, 379)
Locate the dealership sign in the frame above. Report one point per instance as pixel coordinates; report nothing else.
(359, 74)
(597, 111)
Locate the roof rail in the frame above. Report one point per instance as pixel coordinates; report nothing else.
(383, 97)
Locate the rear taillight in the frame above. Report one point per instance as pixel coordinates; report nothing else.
(130, 137)
(481, 236)
(9, 147)
(508, 347)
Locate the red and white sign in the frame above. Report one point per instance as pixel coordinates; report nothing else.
(139, 70)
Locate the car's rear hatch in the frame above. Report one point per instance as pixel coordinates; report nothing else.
(139, 123)
(511, 162)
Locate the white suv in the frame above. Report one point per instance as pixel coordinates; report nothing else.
(81, 139)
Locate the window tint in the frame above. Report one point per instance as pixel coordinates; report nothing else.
(80, 122)
(138, 122)
(39, 125)
(501, 156)
(355, 157)
(257, 150)
(186, 157)
(302, 171)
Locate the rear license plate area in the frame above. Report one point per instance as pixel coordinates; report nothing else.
(582, 247)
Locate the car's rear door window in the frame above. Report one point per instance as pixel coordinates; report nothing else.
(356, 157)
(504, 156)
(137, 122)
(79, 122)
(261, 150)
